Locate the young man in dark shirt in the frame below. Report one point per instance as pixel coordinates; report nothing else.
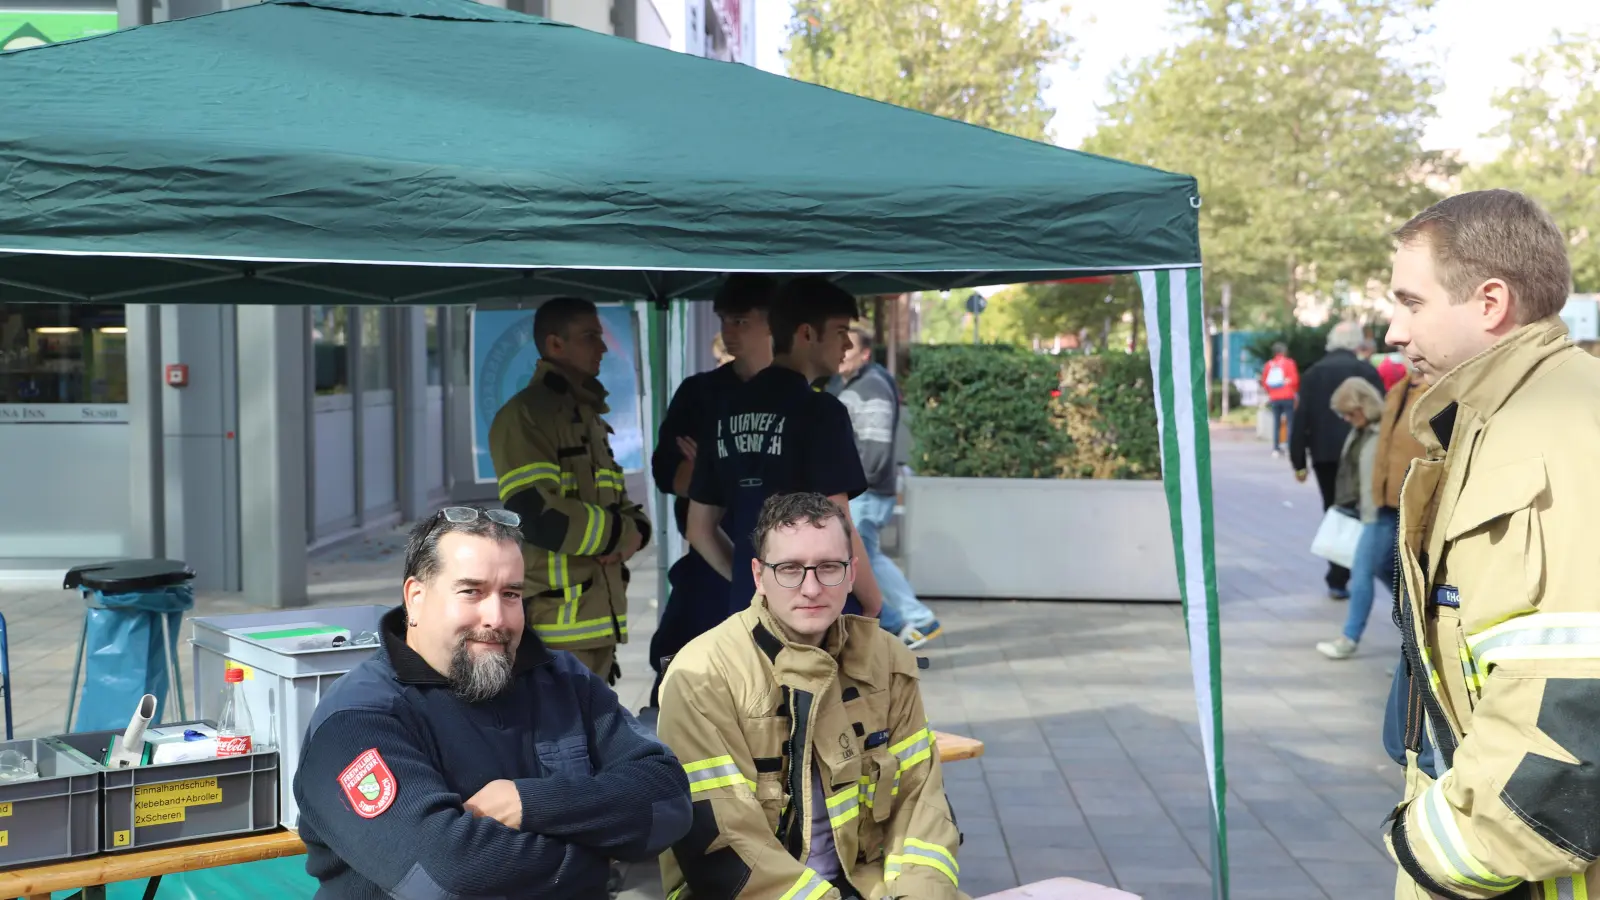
(696, 594)
(775, 434)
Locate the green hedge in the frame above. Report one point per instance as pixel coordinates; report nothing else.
(983, 411)
(988, 411)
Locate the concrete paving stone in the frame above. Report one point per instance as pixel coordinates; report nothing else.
(1052, 815)
(1029, 836)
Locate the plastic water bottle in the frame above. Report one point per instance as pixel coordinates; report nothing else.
(234, 725)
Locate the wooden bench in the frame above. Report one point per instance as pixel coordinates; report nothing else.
(954, 747)
(1062, 889)
(94, 872)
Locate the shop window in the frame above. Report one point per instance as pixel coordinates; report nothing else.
(63, 353)
(375, 349)
(330, 348)
(430, 316)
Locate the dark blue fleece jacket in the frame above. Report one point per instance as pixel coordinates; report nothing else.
(392, 753)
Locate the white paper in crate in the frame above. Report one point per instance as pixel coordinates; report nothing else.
(1337, 537)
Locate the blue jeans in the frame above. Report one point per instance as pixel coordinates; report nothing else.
(900, 604)
(1281, 409)
(1374, 561)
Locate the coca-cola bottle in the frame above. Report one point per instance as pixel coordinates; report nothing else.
(234, 725)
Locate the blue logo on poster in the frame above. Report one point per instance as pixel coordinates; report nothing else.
(504, 359)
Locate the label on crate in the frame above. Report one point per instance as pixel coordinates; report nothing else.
(163, 804)
(5, 838)
(121, 838)
(5, 810)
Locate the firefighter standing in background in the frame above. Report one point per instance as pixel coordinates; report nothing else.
(552, 455)
(812, 769)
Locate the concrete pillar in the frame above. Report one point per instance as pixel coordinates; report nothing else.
(273, 397)
(146, 469)
(199, 451)
(411, 404)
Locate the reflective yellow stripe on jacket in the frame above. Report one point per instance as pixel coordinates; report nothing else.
(915, 749)
(1574, 635)
(922, 853)
(718, 771)
(570, 632)
(844, 806)
(526, 476)
(1443, 837)
(1574, 888)
(809, 886)
(608, 478)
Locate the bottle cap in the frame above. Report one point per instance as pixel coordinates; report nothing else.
(233, 676)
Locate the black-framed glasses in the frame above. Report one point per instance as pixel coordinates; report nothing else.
(793, 574)
(461, 515)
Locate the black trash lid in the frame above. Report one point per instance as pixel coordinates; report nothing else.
(124, 576)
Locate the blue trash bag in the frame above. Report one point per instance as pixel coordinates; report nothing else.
(123, 660)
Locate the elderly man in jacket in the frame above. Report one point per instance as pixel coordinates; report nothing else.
(1500, 611)
(813, 771)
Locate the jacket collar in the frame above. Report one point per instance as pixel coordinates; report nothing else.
(410, 668)
(853, 657)
(1485, 382)
(562, 380)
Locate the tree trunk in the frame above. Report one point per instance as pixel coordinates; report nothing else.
(1291, 290)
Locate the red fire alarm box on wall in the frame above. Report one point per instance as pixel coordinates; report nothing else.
(177, 375)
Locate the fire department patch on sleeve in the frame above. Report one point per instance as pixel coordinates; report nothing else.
(368, 785)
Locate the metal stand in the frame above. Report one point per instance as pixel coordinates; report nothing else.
(5, 672)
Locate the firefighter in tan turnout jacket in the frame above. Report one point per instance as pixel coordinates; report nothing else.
(1500, 572)
(811, 764)
(552, 455)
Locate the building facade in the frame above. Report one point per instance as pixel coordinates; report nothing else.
(120, 424)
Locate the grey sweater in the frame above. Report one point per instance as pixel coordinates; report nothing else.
(874, 404)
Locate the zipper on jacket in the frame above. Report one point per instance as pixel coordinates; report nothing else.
(790, 834)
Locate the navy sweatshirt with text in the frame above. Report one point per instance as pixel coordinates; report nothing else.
(595, 785)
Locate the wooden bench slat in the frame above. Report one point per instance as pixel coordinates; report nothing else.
(954, 747)
(108, 868)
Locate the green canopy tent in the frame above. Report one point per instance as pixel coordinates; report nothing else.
(439, 151)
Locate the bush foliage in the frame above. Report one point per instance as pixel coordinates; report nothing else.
(982, 412)
(989, 412)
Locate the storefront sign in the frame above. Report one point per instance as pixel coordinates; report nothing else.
(19, 30)
(503, 360)
(57, 413)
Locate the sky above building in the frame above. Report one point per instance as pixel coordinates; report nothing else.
(1474, 42)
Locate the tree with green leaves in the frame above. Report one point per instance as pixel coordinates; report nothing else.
(1552, 127)
(977, 61)
(1303, 124)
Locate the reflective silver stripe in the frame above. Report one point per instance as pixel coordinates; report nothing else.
(808, 887)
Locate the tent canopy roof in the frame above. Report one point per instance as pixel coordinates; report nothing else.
(442, 151)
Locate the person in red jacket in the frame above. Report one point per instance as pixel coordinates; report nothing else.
(1281, 377)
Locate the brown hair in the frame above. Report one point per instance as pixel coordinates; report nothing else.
(1496, 234)
(788, 510)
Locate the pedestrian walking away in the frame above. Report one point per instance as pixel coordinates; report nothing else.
(697, 596)
(464, 758)
(1281, 377)
(776, 434)
(1319, 433)
(871, 395)
(552, 453)
(1499, 614)
(811, 765)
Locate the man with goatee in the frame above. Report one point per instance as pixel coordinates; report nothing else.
(464, 759)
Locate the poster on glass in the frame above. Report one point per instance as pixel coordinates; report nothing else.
(503, 360)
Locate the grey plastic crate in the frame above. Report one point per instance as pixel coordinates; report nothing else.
(147, 806)
(54, 817)
(283, 689)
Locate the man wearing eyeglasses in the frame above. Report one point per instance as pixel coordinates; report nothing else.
(464, 759)
(552, 453)
(811, 764)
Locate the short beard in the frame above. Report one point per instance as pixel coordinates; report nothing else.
(476, 677)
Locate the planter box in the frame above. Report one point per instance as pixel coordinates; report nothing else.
(1039, 539)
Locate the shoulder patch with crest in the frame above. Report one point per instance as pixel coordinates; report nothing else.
(369, 785)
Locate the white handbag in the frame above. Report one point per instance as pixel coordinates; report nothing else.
(1337, 537)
